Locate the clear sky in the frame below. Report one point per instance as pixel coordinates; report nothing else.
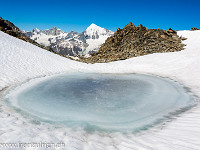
(77, 15)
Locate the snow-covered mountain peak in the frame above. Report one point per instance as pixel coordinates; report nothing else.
(55, 28)
(36, 30)
(93, 26)
(53, 31)
(94, 31)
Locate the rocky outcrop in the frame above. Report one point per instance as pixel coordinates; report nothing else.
(8, 27)
(132, 41)
(194, 28)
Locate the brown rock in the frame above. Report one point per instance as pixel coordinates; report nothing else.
(171, 31)
(194, 28)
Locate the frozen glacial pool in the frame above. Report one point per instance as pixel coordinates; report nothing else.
(102, 102)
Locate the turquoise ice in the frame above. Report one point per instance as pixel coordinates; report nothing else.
(104, 102)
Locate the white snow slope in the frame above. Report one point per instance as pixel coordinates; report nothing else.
(20, 61)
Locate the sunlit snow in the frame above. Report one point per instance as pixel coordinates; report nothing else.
(20, 61)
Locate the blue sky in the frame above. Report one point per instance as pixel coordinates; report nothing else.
(77, 15)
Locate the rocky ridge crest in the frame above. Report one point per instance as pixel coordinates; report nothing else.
(194, 29)
(132, 41)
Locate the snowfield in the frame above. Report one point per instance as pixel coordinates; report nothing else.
(20, 61)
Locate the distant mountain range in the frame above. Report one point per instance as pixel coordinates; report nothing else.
(72, 43)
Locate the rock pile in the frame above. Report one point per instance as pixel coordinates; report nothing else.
(132, 41)
(194, 28)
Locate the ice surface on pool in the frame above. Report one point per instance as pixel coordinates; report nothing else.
(107, 102)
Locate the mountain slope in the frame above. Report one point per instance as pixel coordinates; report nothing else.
(73, 43)
(19, 59)
(9, 28)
